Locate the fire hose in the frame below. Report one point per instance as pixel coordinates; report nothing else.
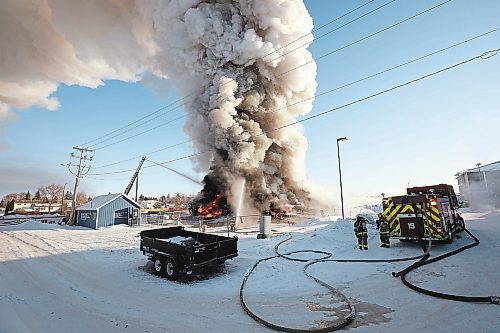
(425, 261)
(342, 322)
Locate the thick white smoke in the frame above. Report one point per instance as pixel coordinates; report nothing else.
(227, 56)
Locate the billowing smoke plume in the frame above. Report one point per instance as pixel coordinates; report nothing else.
(230, 58)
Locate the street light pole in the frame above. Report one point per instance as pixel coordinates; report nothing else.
(340, 176)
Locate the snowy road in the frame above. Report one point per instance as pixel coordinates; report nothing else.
(62, 279)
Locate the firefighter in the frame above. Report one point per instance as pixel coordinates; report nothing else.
(361, 232)
(232, 223)
(384, 231)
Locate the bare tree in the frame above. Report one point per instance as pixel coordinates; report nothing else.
(51, 193)
(11, 196)
(81, 198)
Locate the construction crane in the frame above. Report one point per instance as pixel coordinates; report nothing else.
(134, 177)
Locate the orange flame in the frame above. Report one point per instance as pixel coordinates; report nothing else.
(277, 214)
(212, 209)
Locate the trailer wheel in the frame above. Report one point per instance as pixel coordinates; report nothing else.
(158, 264)
(171, 270)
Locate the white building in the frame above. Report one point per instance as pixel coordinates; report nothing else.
(149, 204)
(480, 186)
(37, 206)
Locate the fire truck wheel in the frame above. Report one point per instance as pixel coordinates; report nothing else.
(461, 224)
(171, 270)
(158, 264)
(449, 239)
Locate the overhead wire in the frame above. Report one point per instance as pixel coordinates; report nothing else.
(197, 182)
(150, 166)
(138, 156)
(337, 88)
(245, 72)
(265, 56)
(369, 36)
(140, 133)
(485, 55)
(295, 68)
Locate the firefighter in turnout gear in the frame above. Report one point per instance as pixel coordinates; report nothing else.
(384, 231)
(361, 232)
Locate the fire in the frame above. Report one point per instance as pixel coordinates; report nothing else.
(213, 208)
(277, 214)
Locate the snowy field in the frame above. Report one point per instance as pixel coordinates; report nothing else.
(69, 279)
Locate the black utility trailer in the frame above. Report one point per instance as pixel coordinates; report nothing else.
(177, 251)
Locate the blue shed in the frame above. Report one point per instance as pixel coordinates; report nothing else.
(107, 210)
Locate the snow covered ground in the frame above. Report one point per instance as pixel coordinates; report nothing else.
(70, 279)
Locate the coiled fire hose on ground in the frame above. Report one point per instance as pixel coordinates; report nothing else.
(342, 322)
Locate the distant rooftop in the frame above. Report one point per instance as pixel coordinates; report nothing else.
(495, 166)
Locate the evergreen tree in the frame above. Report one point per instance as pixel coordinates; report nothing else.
(10, 206)
(37, 195)
(27, 196)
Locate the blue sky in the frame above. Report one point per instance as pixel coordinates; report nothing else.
(417, 135)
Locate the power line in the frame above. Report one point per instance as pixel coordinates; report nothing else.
(197, 182)
(150, 166)
(333, 30)
(140, 133)
(319, 28)
(150, 153)
(369, 36)
(295, 68)
(484, 55)
(245, 72)
(345, 85)
(391, 68)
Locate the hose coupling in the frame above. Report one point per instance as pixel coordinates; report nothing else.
(495, 299)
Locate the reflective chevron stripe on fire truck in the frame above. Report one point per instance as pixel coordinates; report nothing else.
(431, 216)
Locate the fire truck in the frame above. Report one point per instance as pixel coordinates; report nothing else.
(424, 212)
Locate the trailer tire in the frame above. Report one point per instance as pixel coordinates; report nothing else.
(159, 265)
(171, 269)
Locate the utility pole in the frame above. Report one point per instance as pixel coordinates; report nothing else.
(83, 168)
(134, 177)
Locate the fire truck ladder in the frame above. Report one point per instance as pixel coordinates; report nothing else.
(134, 177)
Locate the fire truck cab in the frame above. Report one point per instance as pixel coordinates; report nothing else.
(424, 212)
